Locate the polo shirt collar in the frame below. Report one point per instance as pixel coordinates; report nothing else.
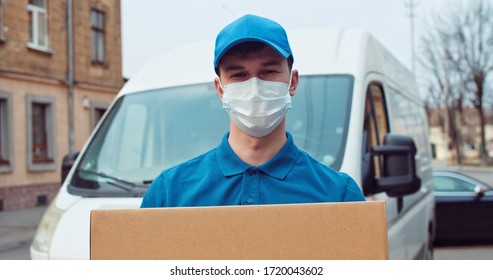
(278, 167)
(229, 162)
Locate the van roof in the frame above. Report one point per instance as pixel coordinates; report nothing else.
(316, 51)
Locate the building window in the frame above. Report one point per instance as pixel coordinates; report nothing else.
(97, 28)
(38, 24)
(41, 133)
(97, 111)
(5, 133)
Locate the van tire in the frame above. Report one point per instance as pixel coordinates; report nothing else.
(428, 255)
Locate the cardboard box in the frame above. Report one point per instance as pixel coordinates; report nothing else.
(351, 230)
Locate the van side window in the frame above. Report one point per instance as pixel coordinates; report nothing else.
(410, 119)
(374, 130)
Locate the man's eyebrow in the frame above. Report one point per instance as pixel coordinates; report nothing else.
(233, 68)
(272, 63)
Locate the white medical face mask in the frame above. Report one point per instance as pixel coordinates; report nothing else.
(257, 107)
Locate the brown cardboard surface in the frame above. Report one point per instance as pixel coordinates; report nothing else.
(351, 230)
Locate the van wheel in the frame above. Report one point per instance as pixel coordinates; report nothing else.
(429, 251)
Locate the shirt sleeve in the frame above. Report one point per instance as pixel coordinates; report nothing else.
(154, 195)
(352, 192)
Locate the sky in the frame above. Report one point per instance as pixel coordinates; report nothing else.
(151, 26)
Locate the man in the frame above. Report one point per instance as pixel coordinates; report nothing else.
(257, 161)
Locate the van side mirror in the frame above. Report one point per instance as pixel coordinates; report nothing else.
(67, 163)
(398, 173)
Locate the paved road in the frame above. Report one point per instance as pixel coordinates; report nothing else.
(17, 229)
(477, 252)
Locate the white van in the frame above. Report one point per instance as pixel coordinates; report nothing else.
(356, 109)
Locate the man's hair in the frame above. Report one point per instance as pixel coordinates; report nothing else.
(248, 48)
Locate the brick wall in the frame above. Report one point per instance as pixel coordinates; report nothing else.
(26, 70)
(87, 72)
(16, 56)
(27, 196)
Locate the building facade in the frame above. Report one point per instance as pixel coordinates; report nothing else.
(468, 129)
(60, 68)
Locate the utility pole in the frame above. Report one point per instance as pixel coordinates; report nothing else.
(411, 5)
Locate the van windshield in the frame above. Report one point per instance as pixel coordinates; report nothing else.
(147, 132)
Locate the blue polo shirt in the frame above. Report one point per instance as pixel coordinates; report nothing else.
(219, 177)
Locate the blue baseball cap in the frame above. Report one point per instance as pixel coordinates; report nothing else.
(251, 28)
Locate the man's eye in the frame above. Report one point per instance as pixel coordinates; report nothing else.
(238, 75)
(267, 72)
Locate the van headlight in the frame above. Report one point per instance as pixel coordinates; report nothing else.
(46, 229)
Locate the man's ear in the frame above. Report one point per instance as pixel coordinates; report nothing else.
(219, 90)
(294, 82)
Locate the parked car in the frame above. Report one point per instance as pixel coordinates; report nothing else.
(463, 207)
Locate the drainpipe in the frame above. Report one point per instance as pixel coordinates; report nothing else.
(70, 76)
